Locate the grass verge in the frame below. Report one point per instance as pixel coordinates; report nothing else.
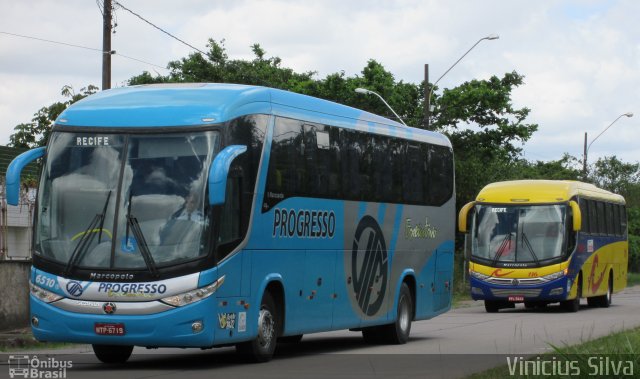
(605, 357)
(22, 339)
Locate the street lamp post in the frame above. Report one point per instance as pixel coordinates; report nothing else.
(586, 147)
(370, 92)
(428, 97)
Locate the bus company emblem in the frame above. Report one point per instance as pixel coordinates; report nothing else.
(74, 288)
(515, 282)
(370, 272)
(109, 308)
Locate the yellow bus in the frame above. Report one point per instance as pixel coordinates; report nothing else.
(544, 241)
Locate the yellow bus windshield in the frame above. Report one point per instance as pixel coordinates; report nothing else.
(519, 233)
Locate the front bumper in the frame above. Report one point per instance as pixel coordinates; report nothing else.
(552, 291)
(172, 328)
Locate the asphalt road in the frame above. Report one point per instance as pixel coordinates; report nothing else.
(455, 344)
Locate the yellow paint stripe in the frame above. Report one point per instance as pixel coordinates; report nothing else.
(97, 230)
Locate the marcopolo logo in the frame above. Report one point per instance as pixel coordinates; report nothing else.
(74, 288)
(369, 263)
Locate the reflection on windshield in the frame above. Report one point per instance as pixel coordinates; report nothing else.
(518, 233)
(160, 206)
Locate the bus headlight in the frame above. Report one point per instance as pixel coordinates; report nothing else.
(478, 275)
(195, 295)
(43, 295)
(556, 275)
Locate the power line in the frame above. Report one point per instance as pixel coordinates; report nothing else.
(159, 28)
(83, 47)
(50, 41)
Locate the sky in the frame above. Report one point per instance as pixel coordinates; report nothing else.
(580, 58)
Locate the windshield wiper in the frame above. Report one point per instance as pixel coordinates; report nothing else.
(132, 223)
(526, 242)
(87, 238)
(501, 248)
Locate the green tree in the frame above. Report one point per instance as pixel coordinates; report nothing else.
(614, 175)
(36, 133)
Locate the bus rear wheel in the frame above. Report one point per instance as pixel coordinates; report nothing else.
(261, 348)
(603, 301)
(112, 353)
(396, 333)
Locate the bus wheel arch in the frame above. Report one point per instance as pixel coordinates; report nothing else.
(573, 305)
(270, 324)
(410, 281)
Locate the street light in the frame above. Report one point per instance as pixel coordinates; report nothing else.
(586, 148)
(490, 37)
(369, 92)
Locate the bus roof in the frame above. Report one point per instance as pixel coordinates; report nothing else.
(198, 104)
(542, 191)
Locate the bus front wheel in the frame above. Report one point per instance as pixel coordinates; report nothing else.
(574, 304)
(112, 353)
(261, 348)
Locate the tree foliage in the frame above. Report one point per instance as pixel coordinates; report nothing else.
(36, 133)
(614, 175)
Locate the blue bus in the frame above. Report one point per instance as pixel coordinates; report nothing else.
(204, 215)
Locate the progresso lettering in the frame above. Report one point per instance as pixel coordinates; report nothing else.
(131, 288)
(303, 223)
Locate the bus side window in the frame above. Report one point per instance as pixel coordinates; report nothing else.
(584, 209)
(230, 220)
(593, 217)
(616, 220)
(609, 219)
(602, 227)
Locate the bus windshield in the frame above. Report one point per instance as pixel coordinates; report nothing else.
(116, 201)
(518, 234)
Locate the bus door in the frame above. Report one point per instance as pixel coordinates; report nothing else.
(443, 279)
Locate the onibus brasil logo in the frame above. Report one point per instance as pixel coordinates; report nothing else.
(25, 366)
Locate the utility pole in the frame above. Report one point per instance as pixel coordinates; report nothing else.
(584, 159)
(106, 45)
(427, 98)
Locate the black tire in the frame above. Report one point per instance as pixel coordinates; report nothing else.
(604, 301)
(290, 339)
(398, 332)
(261, 348)
(112, 353)
(491, 306)
(573, 305)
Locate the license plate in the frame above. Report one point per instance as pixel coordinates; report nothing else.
(516, 298)
(107, 329)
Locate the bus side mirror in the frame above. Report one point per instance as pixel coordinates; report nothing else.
(577, 216)
(463, 222)
(15, 169)
(219, 172)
